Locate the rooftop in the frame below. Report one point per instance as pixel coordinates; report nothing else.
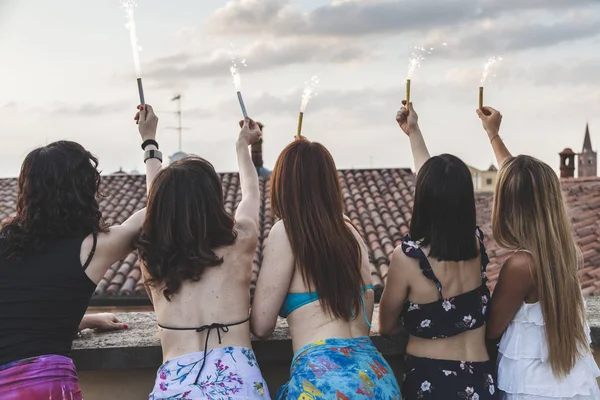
(379, 202)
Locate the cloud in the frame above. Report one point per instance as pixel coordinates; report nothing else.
(367, 17)
(11, 105)
(510, 35)
(263, 55)
(584, 73)
(88, 109)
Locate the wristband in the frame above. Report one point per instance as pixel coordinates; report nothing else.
(148, 143)
(152, 154)
(494, 138)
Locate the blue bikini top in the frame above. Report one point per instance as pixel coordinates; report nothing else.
(293, 301)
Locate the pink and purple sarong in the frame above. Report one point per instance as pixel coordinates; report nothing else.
(228, 373)
(40, 378)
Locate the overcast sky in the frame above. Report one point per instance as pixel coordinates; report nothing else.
(66, 72)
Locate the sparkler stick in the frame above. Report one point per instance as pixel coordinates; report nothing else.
(141, 91)
(480, 97)
(407, 92)
(242, 105)
(300, 119)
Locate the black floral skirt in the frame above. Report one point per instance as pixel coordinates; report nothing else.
(427, 378)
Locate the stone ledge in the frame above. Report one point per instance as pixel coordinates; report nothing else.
(593, 314)
(139, 346)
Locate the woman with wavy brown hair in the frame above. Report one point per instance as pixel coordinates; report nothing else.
(197, 264)
(316, 273)
(53, 253)
(537, 307)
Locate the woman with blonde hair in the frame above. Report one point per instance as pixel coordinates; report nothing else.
(537, 306)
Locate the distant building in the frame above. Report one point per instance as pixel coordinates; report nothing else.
(177, 156)
(588, 158)
(587, 165)
(484, 181)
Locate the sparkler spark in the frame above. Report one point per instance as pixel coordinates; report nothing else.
(487, 68)
(129, 6)
(309, 92)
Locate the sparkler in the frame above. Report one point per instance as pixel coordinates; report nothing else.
(237, 81)
(129, 7)
(307, 94)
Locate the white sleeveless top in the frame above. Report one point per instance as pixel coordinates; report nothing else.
(523, 368)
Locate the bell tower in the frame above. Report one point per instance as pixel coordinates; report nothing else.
(588, 158)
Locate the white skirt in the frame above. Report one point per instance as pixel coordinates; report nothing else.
(524, 372)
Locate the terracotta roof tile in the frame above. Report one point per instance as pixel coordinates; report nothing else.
(379, 203)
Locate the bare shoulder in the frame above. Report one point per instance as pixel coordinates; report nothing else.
(401, 260)
(520, 264)
(356, 233)
(519, 268)
(278, 234)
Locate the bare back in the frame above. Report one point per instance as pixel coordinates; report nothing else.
(222, 295)
(456, 278)
(310, 323)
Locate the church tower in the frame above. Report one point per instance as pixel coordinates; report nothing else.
(588, 158)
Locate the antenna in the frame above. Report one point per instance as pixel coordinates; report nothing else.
(179, 113)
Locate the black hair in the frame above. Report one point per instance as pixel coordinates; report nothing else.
(444, 215)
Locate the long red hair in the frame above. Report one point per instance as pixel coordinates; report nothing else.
(306, 194)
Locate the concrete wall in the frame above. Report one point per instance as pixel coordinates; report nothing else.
(134, 384)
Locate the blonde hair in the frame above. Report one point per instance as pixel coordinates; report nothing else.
(529, 214)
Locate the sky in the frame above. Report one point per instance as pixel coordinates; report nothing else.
(66, 72)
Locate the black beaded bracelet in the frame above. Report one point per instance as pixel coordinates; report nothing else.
(148, 143)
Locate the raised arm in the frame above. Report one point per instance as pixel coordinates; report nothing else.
(115, 244)
(408, 120)
(148, 122)
(249, 208)
(491, 120)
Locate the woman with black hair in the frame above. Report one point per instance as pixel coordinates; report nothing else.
(436, 286)
(53, 253)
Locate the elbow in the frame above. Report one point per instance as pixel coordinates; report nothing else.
(262, 333)
(262, 330)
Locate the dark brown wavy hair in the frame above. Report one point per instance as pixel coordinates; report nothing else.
(57, 197)
(306, 194)
(185, 222)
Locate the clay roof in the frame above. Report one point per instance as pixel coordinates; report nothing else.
(379, 202)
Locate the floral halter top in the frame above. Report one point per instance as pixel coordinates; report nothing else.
(445, 317)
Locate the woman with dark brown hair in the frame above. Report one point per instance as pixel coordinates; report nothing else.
(53, 253)
(316, 274)
(197, 264)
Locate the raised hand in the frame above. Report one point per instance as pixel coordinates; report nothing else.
(491, 120)
(407, 118)
(147, 122)
(250, 132)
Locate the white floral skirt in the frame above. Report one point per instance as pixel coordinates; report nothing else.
(228, 373)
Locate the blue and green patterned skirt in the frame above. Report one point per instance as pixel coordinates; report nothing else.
(340, 369)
